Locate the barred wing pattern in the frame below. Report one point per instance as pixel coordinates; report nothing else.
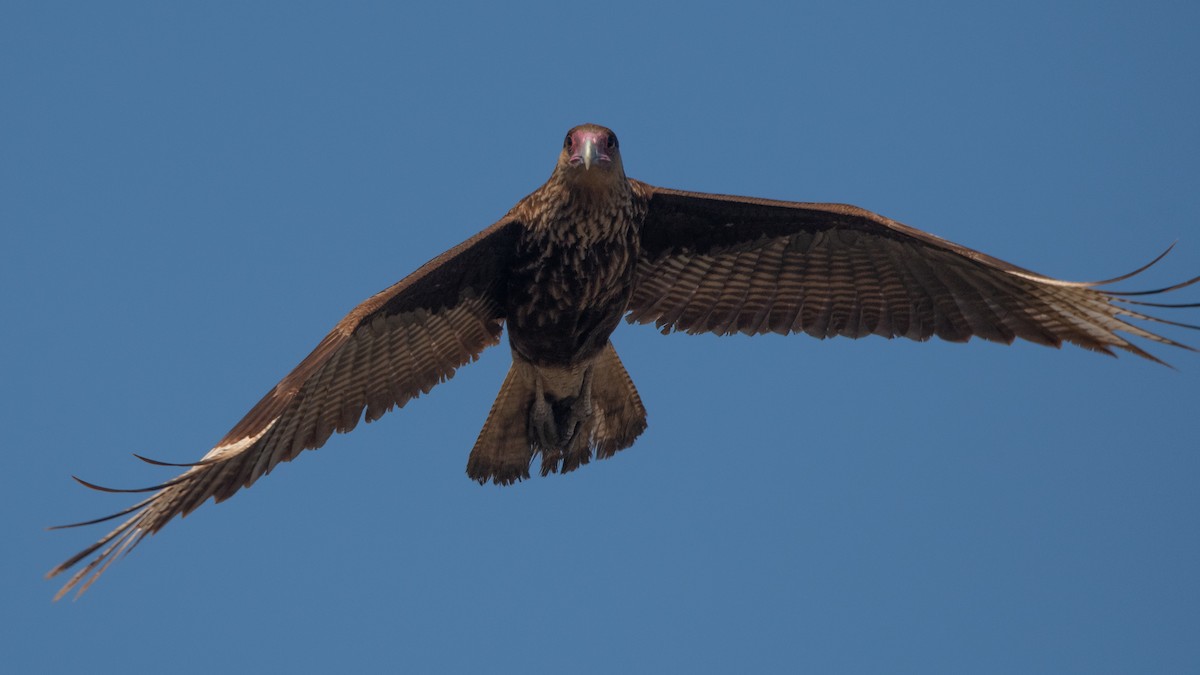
(723, 264)
(393, 347)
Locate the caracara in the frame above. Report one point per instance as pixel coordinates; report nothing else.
(560, 270)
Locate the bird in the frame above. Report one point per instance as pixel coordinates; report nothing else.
(563, 267)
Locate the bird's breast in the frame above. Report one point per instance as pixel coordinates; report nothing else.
(570, 284)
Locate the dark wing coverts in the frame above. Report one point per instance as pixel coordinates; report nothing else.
(713, 263)
(393, 347)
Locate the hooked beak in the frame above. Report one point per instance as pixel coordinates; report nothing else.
(588, 152)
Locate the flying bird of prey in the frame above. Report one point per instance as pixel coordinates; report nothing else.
(560, 270)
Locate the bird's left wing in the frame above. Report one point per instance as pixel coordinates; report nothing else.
(723, 264)
(393, 347)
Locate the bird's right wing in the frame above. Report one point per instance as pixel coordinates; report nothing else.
(391, 348)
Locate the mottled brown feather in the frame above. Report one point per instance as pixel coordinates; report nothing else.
(393, 347)
(724, 264)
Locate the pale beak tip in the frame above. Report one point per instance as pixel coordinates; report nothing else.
(589, 153)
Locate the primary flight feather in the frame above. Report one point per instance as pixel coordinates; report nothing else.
(562, 268)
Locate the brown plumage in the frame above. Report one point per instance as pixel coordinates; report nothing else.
(562, 268)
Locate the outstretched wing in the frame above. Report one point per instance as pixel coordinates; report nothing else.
(722, 264)
(393, 347)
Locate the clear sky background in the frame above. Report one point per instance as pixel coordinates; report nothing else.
(192, 195)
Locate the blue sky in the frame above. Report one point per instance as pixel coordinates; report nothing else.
(193, 195)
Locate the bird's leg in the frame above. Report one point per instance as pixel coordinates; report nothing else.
(543, 431)
(581, 410)
(577, 449)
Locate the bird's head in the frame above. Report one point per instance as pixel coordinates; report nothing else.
(591, 154)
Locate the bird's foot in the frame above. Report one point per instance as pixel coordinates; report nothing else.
(562, 434)
(577, 443)
(542, 427)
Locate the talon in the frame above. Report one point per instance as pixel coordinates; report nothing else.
(541, 418)
(581, 409)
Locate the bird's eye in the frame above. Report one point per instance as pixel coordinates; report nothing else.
(612, 142)
(567, 143)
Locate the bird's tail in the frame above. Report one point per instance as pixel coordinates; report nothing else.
(563, 413)
(618, 416)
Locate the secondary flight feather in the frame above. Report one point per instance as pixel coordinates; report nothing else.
(562, 268)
